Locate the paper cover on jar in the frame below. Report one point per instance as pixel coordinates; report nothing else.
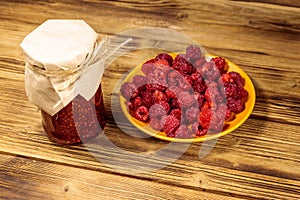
(59, 55)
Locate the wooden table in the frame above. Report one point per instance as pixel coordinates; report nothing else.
(259, 160)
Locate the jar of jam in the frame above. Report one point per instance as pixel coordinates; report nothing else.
(63, 74)
(78, 122)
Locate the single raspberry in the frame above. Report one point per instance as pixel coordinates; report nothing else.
(173, 78)
(157, 124)
(212, 92)
(139, 80)
(127, 90)
(159, 96)
(204, 118)
(148, 66)
(193, 52)
(165, 56)
(243, 94)
(142, 114)
(221, 64)
(196, 78)
(231, 90)
(191, 114)
(237, 78)
(147, 99)
(158, 76)
(176, 112)
(199, 87)
(135, 103)
(182, 65)
(185, 99)
(231, 77)
(183, 132)
(235, 105)
(158, 110)
(209, 72)
(171, 124)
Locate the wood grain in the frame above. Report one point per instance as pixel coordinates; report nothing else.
(260, 160)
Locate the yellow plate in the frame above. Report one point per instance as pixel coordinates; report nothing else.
(231, 126)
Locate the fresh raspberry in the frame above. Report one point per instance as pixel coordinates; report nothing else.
(233, 77)
(127, 90)
(135, 103)
(212, 92)
(148, 66)
(165, 56)
(147, 99)
(199, 87)
(185, 99)
(210, 120)
(176, 112)
(204, 118)
(209, 72)
(158, 76)
(139, 80)
(243, 94)
(157, 124)
(159, 96)
(183, 132)
(237, 78)
(235, 105)
(171, 124)
(193, 52)
(196, 78)
(231, 90)
(191, 114)
(221, 64)
(173, 78)
(182, 65)
(158, 110)
(142, 114)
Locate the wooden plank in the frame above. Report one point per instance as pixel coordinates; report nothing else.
(23, 178)
(245, 158)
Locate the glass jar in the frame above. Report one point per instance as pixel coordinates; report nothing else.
(78, 122)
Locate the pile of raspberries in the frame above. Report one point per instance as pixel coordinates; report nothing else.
(185, 97)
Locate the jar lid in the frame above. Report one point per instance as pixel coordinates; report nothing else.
(59, 44)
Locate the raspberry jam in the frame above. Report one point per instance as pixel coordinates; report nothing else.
(80, 121)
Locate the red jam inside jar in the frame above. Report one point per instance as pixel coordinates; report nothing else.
(79, 122)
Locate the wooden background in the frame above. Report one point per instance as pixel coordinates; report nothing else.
(260, 160)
